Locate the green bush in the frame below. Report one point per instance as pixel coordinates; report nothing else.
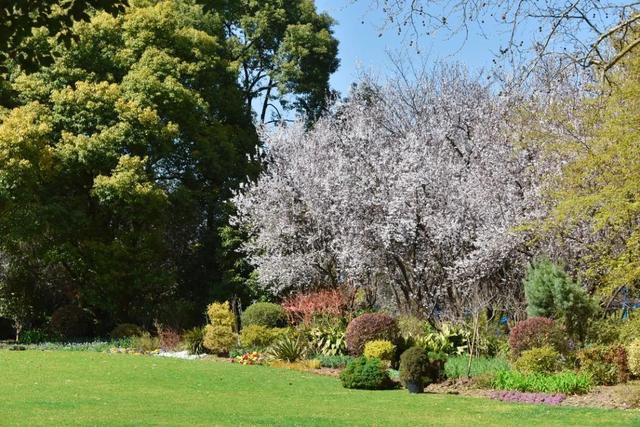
(219, 337)
(606, 365)
(258, 336)
(71, 322)
(604, 331)
(456, 366)
(543, 360)
(337, 361)
(194, 340)
(633, 355)
(125, 330)
(551, 293)
(368, 327)
(34, 336)
(567, 382)
(414, 366)
(290, 348)
(264, 314)
(411, 328)
(329, 339)
(367, 374)
(145, 343)
(630, 329)
(381, 349)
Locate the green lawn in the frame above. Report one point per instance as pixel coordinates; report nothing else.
(62, 388)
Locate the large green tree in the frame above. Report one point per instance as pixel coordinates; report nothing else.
(116, 163)
(596, 216)
(287, 53)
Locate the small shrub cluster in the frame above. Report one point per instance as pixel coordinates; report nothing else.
(607, 365)
(381, 349)
(536, 332)
(543, 360)
(219, 337)
(264, 314)
(367, 374)
(258, 336)
(305, 307)
(370, 327)
(523, 397)
(567, 382)
(633, 355)
(169, 339)
(145, 343)
(194, 340)
(329, 339)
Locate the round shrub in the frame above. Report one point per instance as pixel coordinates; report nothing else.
(414, 365)
(71, 321)
(258, 336)
(536, 332)
(264, 314)
(367, 374)
(543, 360)
(633, 356)
(381, 349)
(606, 365)
(370, 327)
(126, 330)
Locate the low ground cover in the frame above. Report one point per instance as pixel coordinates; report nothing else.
(51, 387)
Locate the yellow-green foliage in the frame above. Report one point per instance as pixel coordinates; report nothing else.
(382, 349)
(259, 336)
(543, 360)
(633, 357)
(600, 188)
(218, 334)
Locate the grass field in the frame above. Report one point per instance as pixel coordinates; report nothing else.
(80, 388)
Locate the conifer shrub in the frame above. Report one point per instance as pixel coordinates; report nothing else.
(366, 373)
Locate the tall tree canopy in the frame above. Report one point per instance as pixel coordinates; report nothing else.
(115, 166)
(596, 214)
(411, 185)
(285, 47)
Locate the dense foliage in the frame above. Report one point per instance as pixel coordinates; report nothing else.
(543, 360)
(369, 327)
(264, 314)
(566, 382)
(536, 332)
(219, 336)
(367, 374)
(380, 349)
(551, 293)
(607, 365)
(413, 366)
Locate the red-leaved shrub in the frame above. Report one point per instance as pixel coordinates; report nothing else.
(536, 332)
(369, 327)
(607, 365)
(303, 308)
(169, 339)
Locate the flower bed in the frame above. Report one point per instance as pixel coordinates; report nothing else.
(522, 397)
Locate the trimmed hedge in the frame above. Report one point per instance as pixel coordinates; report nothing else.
(264, 314)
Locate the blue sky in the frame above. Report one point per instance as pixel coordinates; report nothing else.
(362, 49)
